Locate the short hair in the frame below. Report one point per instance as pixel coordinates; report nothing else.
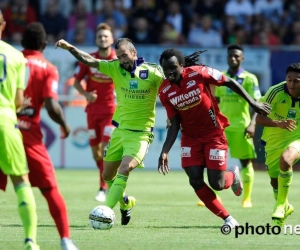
(294, 67)
(235, 46)
(125, 41)
(103, 26)
(34, 36)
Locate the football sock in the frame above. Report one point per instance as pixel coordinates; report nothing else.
(275, 193)
(247, 173)
(27, 210)
(284, 183)
(102, 183)
(229, 177)
(121, 200)
(210, 200)
(116, 191)
(58, 211)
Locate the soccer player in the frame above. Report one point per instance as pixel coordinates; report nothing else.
(190, 104)
(101, 98)
(12, 154)
(42, 90)
(136, 84)
(240, 133)
(281, 138)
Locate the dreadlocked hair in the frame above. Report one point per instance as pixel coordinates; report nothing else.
(193, 59)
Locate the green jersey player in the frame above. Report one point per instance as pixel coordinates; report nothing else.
(12, 153)
(242, 122)
(281, 138)
(136, 85)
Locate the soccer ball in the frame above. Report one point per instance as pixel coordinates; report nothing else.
(102, 217)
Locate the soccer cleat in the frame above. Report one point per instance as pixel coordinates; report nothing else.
(278, 222)
(230, 221)
(288, 210)
(237, 185)
(247, 203)
(29, 245)
(278, 212)
(101, 196)
(67, 244)
(126, 211)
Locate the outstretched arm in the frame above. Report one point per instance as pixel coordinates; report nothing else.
(260, 108)
(78, 54)
(265, 121)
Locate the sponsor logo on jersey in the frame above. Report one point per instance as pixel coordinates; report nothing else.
(143, 74)
(172, 93)
(24, 125)
(166, 88)
(212, 116)
(133, 84)
(193, 74)
(29, 111)
(185, 152)
(190, 84)
(217, 155)
(183, 97)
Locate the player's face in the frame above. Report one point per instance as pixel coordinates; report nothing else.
(172, 69)
(104, 39)
(235, 58)
(126, 57)
(293, 83)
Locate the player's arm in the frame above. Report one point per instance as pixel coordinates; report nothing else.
(265, 121)
(56, 114)
(19, 99)
(258, 107)
(78, 54)
(163, 166)
(90, 96)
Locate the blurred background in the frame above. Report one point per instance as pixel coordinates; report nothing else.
(269, 31)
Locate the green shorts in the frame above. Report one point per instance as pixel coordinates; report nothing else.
(12, 153)
(128, 143)
(273, 157)
(240, 147)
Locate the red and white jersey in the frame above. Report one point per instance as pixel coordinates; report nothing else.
(42, 83)
(193, 101)
(105, 102)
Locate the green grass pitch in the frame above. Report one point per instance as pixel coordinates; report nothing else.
(166, 216)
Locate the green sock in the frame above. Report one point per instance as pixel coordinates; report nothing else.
(247, 173)
(27, 210)
(284, 183)
(116, 191)
(275, 193)
(122, 202)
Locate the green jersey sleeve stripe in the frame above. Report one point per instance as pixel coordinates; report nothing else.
(273, 93)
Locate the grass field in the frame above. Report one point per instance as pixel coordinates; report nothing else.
(166, 216)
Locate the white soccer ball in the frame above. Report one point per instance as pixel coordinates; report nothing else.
(102, 217)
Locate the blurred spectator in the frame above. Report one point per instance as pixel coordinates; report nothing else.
(266, 36)
(292, 32)
(174, 16)
(64, 6)
(107, 11)
(145, 8)
(269, 9)
(4, 4)
(169, 35)
(17, 16)
(228, 31)
(117, 32)
(140, 33)
(54, 22)
(202, 34)
(81, 34)
(296, 40)
(80, 13)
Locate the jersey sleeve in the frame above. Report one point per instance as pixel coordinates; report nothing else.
(107, 67)
(253, 87)
(158, 76)
(212, 76)
(171, 111)
(81, 71)
(270, 97)
(51, 84)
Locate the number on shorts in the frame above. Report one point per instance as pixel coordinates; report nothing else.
(2, 70)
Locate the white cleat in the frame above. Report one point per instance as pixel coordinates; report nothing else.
(67, 244)
(101, 196)
(230, 221)
(237, 185)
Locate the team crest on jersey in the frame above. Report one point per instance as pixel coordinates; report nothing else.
(193, 74)
(133, 84)
(292, 113)
(190, 84)
(143, 74)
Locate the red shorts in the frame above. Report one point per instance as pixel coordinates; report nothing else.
(99, 128)
(41, 170)
(209, 152)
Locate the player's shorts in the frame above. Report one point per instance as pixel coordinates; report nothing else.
(240, 147)
(125, 142)
(42, 173)
(12, 154)
(99, 128)
(273, 157)
(209, 152)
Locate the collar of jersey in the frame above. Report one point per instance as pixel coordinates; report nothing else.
(32, 52)
(137, 63)
(241, 70)
(287, 91)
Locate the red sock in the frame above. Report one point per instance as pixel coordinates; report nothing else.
(102, 182)
(58, 211)
(229, 177)
(210, 200)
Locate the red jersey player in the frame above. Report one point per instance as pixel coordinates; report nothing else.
(189, 103)
(42, 89)
(100, 95)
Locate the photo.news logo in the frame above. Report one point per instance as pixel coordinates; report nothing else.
(267, 229)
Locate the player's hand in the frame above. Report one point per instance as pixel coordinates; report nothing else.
(63, 44)
(288, 124)
(91, 96)
(168, 123)
(163, 164)
(261, 108)
(65, 131)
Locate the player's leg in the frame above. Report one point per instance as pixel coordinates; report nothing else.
(42, 175)
(247, 173)
(13, 163)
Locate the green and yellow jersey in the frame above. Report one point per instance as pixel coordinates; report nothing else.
(235, 107)
(284, 106)
(136, 93)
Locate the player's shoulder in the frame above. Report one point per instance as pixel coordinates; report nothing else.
(151, 66)
(247, 74)
(164, 87)
(7, 49)
(275, 91)
(277, 87)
